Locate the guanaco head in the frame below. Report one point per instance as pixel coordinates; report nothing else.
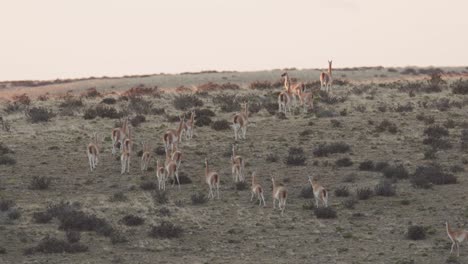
(311, 179)
(193, 114)
(284, 74)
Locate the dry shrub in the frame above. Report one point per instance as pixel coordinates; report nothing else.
(260, 85)
(22, 99)
(325, 149)
(39, 114)
(219, 125)
(460, 86)
(165, 230)
(91, 93)
(50, 245)
(183, 89)
(139, 105)
(187, 101)
(141, 90)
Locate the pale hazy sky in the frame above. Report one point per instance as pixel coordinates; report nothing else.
(48, 39)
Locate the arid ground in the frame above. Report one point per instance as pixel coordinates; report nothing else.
(412, 126)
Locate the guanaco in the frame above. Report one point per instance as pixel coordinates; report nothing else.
(279, 193)
(257, 190)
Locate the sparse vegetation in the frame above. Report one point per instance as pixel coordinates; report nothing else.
(364, 193)
(296, 157)
(326, 149)
(165, 230)
(132, 220)
(40, 183)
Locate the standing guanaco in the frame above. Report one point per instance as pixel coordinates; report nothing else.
(161, 175)
(237, 166)
(257, 190)
(456, 236)
(189, 126)
(212, 179)
(320, 193)
(93, 152)
(172, 136)
(326, 78)
(279, 193)
(145, 157)
(240, 121)
(118, 135)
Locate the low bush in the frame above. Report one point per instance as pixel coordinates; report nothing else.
(132, 220)
(344, 162)
(42, 217)
(40, 183)
(139, 105)
(385, 188)
(349, 203)
(6, 204)
(425, 176)
(416, 232)
(73, 236)
(14, 214)
(186, 101)
(109, 101)
(50, 245)
(198, 198)
(160, 196)
(39, 114)
(306, 192)
(203, 121)
(227, 103)
(148, 185)
(137, 120)
(325, 212)
(395, 172)
(367, 165)
(222, 124)
(296, 157)
(342, 191)
(325, 149)
(165, 230)
(364, 193)
(7, 160)
(260, 85)
(460, 87)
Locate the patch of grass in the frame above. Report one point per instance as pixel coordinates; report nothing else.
(198, 198)
(165, 230)
(364, 193)
(186, 101)
(342, 191)
(326, 149)
(325, 212)
(416, 232)
(40, 183)
(296, 157)
(132, 220)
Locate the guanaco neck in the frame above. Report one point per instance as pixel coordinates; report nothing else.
(330, 69)
(207, 170)
(253, 179)
(192, 118)
(287, 82)
(179, 129)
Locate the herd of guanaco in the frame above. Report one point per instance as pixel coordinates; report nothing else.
(295, 94)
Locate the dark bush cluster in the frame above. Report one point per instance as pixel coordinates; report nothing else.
(140, 105)
(102, 111)
(344, 162)
(260, 85)
(132, 220)
(342, 191)
(364, 193)
(49, 245)
(203, 121)
(109, 101)
(39, 114)
(306, 192)
(165, 230)
(40, 182)
(386, 125)
(395, 172)
(436, 137)
(425, 176)
(296, 157)
(198, 198)
(219, 125)
(187, 101)
(367, 165)
(460, 86)
(385, 188)
(227, 103)
(137, 120)
(5, 159)
(408, 107)
(325, 149)
(71, 218)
